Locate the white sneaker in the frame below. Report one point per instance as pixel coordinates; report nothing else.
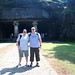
(26, 65)
(18, 65)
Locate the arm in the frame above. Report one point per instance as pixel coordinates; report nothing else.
(18, 39)
(40, 40)
(17, 42)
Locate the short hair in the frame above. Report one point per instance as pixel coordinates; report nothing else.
(25, 30)
(33, 28)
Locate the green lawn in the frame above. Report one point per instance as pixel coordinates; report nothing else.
(64, 53)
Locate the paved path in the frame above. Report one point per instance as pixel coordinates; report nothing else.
(10, 60)
(4, 45)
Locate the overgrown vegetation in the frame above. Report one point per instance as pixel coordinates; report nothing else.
(5, 3)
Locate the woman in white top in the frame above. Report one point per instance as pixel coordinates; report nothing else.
(22, 43)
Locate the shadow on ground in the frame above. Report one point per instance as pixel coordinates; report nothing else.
(14, 70)
(63, 52)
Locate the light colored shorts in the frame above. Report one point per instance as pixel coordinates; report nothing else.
(25, 52)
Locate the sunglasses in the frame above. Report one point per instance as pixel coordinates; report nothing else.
(24, 32)
(32, 29)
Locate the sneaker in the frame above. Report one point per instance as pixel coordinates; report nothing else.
(37, 65)
(18, 65)
(26, 65)
(31, 64)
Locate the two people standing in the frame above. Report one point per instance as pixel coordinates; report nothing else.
(35, 41)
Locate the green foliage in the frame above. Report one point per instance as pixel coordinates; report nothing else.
(49, 0)
(63, 0)
(4, 4)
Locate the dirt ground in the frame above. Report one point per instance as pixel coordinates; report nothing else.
(57, 66)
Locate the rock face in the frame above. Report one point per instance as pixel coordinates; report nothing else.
(23, 9)
(57, 20)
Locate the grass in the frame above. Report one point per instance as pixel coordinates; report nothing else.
(64, 53)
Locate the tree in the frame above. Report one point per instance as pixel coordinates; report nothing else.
(68, 26)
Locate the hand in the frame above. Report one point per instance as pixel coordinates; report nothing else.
(19, 48)
(40, 46)
(16, 44)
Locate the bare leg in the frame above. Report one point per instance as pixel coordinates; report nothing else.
(37, 64)
(20, 59)
(19, 64)
(26, 60)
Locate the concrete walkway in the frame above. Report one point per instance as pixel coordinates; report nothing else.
(10, 60)
(4, 45)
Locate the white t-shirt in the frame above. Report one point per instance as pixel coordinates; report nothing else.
(34, 40)
(23, 42)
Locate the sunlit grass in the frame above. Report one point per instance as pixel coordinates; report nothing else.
(64, 53)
